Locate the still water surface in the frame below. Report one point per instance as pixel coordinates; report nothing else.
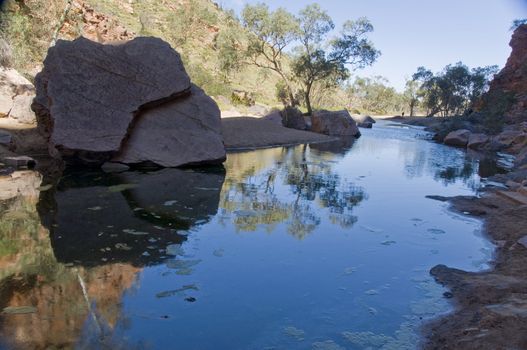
(325, 246)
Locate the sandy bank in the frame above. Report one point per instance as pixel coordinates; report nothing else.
(250, 133)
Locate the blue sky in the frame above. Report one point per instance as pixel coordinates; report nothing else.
(430, 33)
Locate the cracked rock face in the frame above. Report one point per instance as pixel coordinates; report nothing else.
(96, 102)
(88, 93)
(184, 131)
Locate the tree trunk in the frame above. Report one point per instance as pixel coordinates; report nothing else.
(61, 23)
(307, 96)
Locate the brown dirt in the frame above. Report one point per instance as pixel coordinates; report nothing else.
(491, 306)
(251, 133)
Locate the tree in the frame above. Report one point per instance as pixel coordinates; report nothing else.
(455, 89)
(273, 32)
(313, 64)
(411, 95)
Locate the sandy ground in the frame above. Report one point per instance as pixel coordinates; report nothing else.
(491, 306)
(250, 133)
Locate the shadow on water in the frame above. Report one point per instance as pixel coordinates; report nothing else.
(98, 218)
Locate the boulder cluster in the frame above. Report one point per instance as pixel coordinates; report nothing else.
(331, 123)
(128, 102)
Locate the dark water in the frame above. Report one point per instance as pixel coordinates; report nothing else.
(325, 246)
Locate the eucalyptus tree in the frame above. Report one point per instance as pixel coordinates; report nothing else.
(313, 63)
(272, 32)
(314, 57)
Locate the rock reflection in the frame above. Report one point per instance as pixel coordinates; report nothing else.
(63, 287)
(42, 301)
(130, 217)
(251, 199)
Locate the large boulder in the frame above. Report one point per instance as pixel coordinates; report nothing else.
(182, 132)
(293, 118)
(337, 123)
(88, 94)
(458, 138)
(16, 95)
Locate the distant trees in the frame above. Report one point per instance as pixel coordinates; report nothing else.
(454, 90)
(316, 58)
(373, 95)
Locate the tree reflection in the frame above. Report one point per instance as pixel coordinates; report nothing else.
(297, 189)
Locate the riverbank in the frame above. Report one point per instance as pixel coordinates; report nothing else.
(244, 133)
(490, 306)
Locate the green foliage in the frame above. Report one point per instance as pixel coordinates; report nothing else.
(454, 90)
(272, 32)
(313, 64)
(374, 96)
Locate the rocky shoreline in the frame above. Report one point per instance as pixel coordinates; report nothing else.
(490, 306)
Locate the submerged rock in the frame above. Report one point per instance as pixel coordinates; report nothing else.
(89, 93)
(337, 123)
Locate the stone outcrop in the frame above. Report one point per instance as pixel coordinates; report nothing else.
(337, 123)
(181, 132)
(130, 101)
(16, 95)
(512, 79)
(458, 138)
(94, 25)
(293, 118)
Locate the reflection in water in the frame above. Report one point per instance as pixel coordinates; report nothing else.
(164, 259)
(255, 201)
(98, 221)
(132, 217)
(43, 303)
